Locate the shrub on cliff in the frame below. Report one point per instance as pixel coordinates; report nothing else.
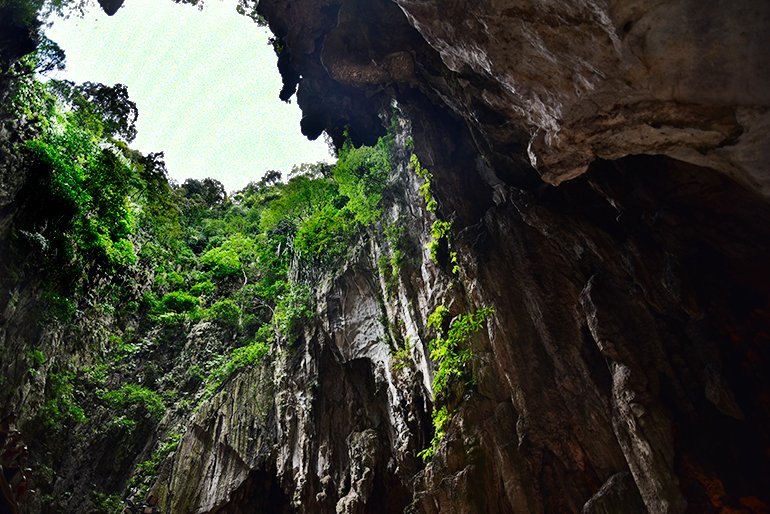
(225, 312)
(178, 302)
(451, 351)
(135, 396)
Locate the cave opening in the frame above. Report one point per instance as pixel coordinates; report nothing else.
(204, 80)
(431, 323)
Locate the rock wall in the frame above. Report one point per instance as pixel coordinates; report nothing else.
(331, 423)
(623, 369)
(625, 366)
(607, 79)
(557, 84)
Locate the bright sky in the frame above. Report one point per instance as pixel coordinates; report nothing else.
(205, 83)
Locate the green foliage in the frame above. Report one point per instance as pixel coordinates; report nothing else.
(362, 174)
(438, 317)
(440, 419)
(123, 423)
(145, 471)
(383, 265)
(250, 354)
(150, 301)
(439, 233)
(298, 200)
(98, 195)
(225, 312)
(223, 262)
(106, 111)
(203, 288)
(59, 307)
(36, 359)
(292, 309)
(247, 355)
(158, 218)
(324, 209)
(249, 8)
(62, 406)
(178, 302)
(207, 193)
(88, 177)
(226, 260)
(120, 349)
(63, 8)
(451, 351)
(324, 234)
(149, 467)
(27, 12)
(96, 375)
(394, 235)
(47, 57)
(401, 358)
(107, 503)
(172, 280)
(425, 189)
(22, 12)
(246, 8)
(137, 396)
(454, 262)
(390, 268)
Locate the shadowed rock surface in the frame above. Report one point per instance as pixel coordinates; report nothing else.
(625, 366)
(111, 6)
(628, 302)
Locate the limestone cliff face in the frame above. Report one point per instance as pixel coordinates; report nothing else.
(622, 370)
(557, 84)
(625, 366)
(334, 421)
(585, 80)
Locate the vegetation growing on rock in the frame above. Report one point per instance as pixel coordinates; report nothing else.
(178, 266)
(159, 296)
(451, 350)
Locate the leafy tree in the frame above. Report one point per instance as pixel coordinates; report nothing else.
(29, 10)
(362, 175)
(209, 191)
(107, 110)
(300, 198)
(226, 259)
(159, 213)
(93, 182)
(179, 302)
(225, 312)
(21, 12)
(249, 8)
(324, 235)
(270, 178)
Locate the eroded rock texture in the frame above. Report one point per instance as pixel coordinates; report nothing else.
(567, 81)
(331, 424)
(624, 368)
(606, 79)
